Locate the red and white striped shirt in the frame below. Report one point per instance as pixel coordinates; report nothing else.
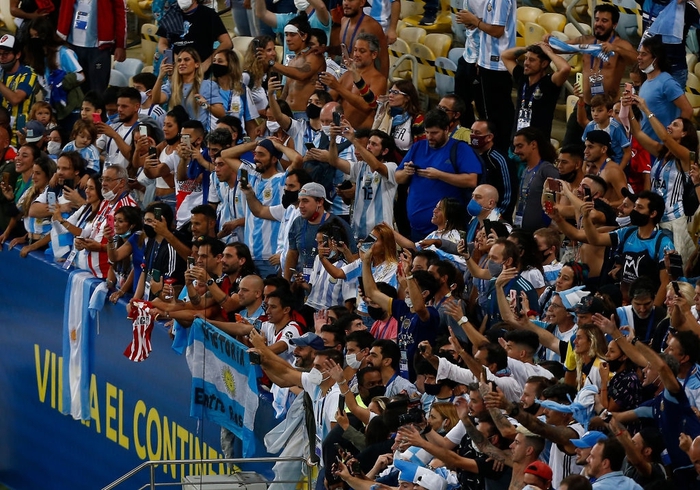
(98, 262)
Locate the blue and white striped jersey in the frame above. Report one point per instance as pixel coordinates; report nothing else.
(499, 13)
(261, 234)
(231, 205)
(667, 182)
(374, 197)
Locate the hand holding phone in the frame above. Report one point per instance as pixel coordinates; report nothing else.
(110, 221)
(244, 178)
(96, 118)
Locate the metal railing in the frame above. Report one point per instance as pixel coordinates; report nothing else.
(151, 466)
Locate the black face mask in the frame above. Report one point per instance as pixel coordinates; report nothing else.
(615, 365)
(532, 409)
(432, 390)
(172, 141)
(219, 70)
(149, 231)
(375, 391)
(570, 177)
(375, 313)
(313, 111)
(289, 198)
(638, 219)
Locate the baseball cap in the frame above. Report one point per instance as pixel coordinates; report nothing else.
(7, 42)
(429, 480)
(313, 189)
(572, 297)
(589, 304)
(598, 136)
(589, 439)
(628, 194)
(539, 469)
(309, 339)
(34, 130)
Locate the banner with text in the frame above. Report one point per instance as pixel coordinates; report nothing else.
(224, 384)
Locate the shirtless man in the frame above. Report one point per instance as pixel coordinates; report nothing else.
(357, 90)
(606, 18)
(302, 70)
(597, 162)
(355, 22)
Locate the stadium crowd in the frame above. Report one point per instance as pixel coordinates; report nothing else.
(438, 298)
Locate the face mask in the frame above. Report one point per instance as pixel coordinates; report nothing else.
(351, 360)
(315, 377)
(623, 220)
(570, 177)
(219, 70)
(478, 142)
(8, 66)
(108, 195)
(495, 269)
(649, 68)
(53, 147)
(313, 111)
(113, 118)
(409, 301)
(615, 365)
(124, 236)
(272, 126)
(184, 4)
(638, 219)
(149, 231)
(289, 198)
(301, 5)
(375, 391)
(172, 141)
(326, 130)
(474, 208)
(375, 313)
(144, 97)
(432, 390)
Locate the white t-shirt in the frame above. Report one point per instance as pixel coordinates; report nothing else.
(290, 331)
(107, 144)
(563, 464)
(325, 408)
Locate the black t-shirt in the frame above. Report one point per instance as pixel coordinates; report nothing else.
(544, 95)
(201, 28)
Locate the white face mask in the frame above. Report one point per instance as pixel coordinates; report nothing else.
(409, 301)
(53, 147)
(273, 126)
(352, 361)
(326, 129)
(108, 195)
(144, 96)
(184, 4)
(315, 377)
(301, 5)
(649, 68)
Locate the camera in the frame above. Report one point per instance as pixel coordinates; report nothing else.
(413, 416)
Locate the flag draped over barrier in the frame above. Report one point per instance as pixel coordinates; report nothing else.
(224, 385)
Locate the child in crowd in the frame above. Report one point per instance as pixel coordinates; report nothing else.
(144, 82)
(92, 104)
(41, 111)
(639, 169)
(83, 140)
(602, 115)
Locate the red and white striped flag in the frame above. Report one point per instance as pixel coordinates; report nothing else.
(140, 346)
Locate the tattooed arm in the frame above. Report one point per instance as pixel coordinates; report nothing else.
(479, 439)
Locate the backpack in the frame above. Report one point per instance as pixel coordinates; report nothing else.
(690, 197)
(467, 193)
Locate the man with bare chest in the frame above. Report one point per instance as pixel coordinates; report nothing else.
(354, 23)
(302, 71)
(598, 76)
(357, 90)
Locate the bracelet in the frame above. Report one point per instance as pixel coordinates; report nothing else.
(348, 391)
(617, 338)
(619, 433)
(531, 313)
(223, 300)
(651, 115)
(344, 382)
(409, 277)
(478, 24)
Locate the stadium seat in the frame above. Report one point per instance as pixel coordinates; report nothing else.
(413, 34)
(439, 44)
(555, 143)
(411, 9)
(280, 52)
(239, 54)
(572, 33)
(444, 82)
(141, 8)
(691, 59)
(533, 33)
(149, 42)
(581, 10)
(696, 70)
(443, 22)
(571, 102)
(241, 43)
(553, 5)
(552, 22)
(117, 79)
(129, 67)
(8, 22)
(455, 54)
(147, 69)
(457, 29)
(528, 14)
(426, 70)
(520, 33)
(693, 83)
(401, 61)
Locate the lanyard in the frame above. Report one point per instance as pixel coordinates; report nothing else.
(354, 33)
(109, 143)
(152, 256)
(603, 166)
(532, 95)
(525, 188)
(593, 58)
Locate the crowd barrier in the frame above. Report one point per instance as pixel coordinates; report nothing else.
(140, 411)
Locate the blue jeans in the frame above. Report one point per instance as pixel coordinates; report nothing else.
(240, 20)
(265, 269)
(680, 75)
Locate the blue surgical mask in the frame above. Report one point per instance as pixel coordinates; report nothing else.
(474, 208)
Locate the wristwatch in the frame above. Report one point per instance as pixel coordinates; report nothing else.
(210, 282)
(462, 320)
(271, 63)
(515, 411)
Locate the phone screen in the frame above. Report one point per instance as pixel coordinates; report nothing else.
(244, 178)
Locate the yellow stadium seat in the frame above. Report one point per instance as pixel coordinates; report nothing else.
(533, 33)
(149, 43)
(572, 33)
(691, 59)
(693, 83)
(280, 52)
(413, 34)
(399, 26)
(241, 43)
(580, 11)
(239, 53)
(6, 17)
(696, 70)
(426, 70)
(552, 5)
(552, 22)
(142, 8)
(439, 44)
(528, 14)
(560, 35)
(401, 65)
(571, 102)
(411, 9)
(555, 143)
(443, 22)
(520, 33)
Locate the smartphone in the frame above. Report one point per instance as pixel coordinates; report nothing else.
(168, 56)
(344, 49)
(309, 145)
(6, 178)
(155, 275)
(190, 262)
(518, 304)
(676, 288)
(96, 118)
(143, 130)
(367, 243)
(553, 185)
(157, 212)
(254, 357)
(341, 404)
(185, 139)
(69, 183)
(51, 199)
(629, 88)
(487, 227)
(152, 152)
(244, 178)
(336, 119)
(110, 220)
(462, 235)
(326, 240)
(675, 268)
(256, 43)
(587, 196)
(692, 157)
(579, 79)
(246, 139)
(512, 295)
(549, 198)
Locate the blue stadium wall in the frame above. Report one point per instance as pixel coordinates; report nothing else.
(140, 410)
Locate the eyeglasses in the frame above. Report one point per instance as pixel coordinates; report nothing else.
(396, 92)
(107, 180)
(444, 109)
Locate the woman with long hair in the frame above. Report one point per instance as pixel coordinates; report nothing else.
(226, 71)
(58, 71)
(450, 217)
(530, 258)
(257, 71)
(126, 271)
(571, 274)
(187, 87)
(583, 361)
(37, 228)
(14, 192)
(402, 117)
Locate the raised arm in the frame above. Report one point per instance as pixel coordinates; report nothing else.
(265, 15)
(370, 286)
(650, 145)
(278, 370)
(563, 67)
(677, 149)
(256, 207)
(592, 234)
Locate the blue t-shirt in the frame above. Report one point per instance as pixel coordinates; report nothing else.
(618, 138)
(659, 95)
(136, 257)
(426, 193)
(517, 284)
(412, 331)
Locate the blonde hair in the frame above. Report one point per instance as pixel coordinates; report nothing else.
(598, 348)
(177, 84)
(388, 242)
(36, 106)
(447, 411)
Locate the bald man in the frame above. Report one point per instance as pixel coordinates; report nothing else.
(250, 297)
(692, 449)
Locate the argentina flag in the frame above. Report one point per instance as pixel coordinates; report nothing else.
(77, 344)
(224, 384)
